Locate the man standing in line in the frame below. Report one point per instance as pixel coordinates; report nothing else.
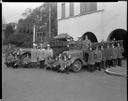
(48, 56)
(114, 53)
(103, 62)
(119, 56)
(42, 56)
(87, 43)
(108, 56)
(91, 60)
(98, 58)
(33, 55)
(49, 51)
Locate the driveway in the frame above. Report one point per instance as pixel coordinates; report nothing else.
(41, 85)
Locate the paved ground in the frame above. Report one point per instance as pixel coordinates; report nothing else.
(40, 85)
(118, 71)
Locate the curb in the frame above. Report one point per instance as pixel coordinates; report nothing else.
(114, 73)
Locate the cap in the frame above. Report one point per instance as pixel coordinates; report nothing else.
(48, 44)
(34, 44)
(41, 44)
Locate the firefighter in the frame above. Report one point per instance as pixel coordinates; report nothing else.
(48, 56)
(33, 55)
(38, 53)
(49, 51)
(120, 50)
(103, 62)
(87, 43)
(108, 56)
(98, 58)
(91, 60)
(42, 52)
(114, 53)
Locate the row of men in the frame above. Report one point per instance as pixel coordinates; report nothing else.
(41, 54)
(103, 57)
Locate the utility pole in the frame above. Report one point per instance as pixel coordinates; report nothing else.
(34, 34)
(49, 21)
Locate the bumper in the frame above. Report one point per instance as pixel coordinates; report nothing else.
(65, 65)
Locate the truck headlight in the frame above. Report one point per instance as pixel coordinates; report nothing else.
(20, 49)
(65, 57)
(69, 56)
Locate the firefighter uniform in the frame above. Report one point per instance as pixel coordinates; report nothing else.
(108, 57)
(49, 52)
(48, 55)
(42, 57)
(38, 54)
(120, 50)
(91, 60)
(98, 58)
(87, 44)
(33, 55)
(114, 53)
(103, 62)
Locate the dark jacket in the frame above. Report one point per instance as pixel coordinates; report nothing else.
(103, 55)
(114, 53)
(120, 51)
(98, 55)
(91, 59)
(108, 54)
(86, 44)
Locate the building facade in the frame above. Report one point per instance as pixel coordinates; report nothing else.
(103, 21)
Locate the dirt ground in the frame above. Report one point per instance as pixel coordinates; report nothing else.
(41, 85)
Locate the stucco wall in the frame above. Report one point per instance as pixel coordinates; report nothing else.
(114, 17)
(100, 23)
(77, 26)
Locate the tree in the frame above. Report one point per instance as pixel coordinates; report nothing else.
(27, 12)
(20, 40)
(9, 31)
(39, 17)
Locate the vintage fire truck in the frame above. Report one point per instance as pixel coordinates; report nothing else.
(68, 55)
(77, 56)
(22, 57)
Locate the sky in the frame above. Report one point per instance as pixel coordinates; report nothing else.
(12, 12)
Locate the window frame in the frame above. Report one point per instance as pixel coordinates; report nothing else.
(63, 10)
(71, 9)
(84, 7)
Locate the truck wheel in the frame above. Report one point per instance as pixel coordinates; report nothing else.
(76, 66)
(7, 64)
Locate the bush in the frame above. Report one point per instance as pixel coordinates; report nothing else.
(21, 40)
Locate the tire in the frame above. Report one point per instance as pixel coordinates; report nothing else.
(7, 64)
(76, 66)
(15, 65)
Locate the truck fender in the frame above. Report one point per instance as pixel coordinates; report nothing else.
(75, 58)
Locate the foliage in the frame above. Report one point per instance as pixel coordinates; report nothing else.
(21, 40)
(39, 16)
(9, 31)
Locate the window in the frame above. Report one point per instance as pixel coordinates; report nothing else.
(88, 7)
(71, 9)
(82, 7)
(93, 6)
(63, 10)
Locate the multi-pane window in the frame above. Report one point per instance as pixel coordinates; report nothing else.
(82, 8)
(71, 9)
(63, 10)
(88, 7)
(93, 6)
